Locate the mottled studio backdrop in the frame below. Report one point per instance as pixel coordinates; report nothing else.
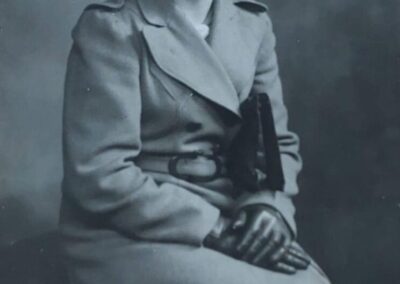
(340, 64)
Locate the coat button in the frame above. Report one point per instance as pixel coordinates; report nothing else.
(193, 126)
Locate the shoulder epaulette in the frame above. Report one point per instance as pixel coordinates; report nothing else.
(252, 5)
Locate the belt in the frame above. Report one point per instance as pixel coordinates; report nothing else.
(193, 167)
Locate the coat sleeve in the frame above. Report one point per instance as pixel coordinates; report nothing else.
(101, 136)
(267, 82)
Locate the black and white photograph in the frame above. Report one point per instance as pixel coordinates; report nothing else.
(199, 142)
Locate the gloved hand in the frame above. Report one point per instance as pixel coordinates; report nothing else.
(223, 238)
(259, 236)
(294, 259)
(266, 240)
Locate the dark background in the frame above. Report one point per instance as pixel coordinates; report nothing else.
(340, 64)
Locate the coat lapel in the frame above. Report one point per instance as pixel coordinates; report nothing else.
(234, 42)
(180, 52)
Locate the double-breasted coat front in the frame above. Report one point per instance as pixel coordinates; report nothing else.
(141, 81)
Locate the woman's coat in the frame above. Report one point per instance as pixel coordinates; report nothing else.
(141, 81)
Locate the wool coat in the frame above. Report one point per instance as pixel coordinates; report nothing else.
(141, 81)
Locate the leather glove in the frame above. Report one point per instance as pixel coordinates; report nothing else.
(228, 234)
(294, 259)
(223, 238)
(266, 240)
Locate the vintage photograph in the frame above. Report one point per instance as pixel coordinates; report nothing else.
(199, 142)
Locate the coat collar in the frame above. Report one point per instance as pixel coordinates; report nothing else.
(179, 51)
(158, 12)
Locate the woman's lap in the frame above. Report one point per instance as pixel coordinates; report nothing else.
(106, 258)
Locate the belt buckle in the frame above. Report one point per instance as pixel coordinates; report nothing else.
(173, 164)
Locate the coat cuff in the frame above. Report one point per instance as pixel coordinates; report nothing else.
(276, 199)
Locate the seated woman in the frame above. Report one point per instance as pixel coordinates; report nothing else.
(179, 167)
